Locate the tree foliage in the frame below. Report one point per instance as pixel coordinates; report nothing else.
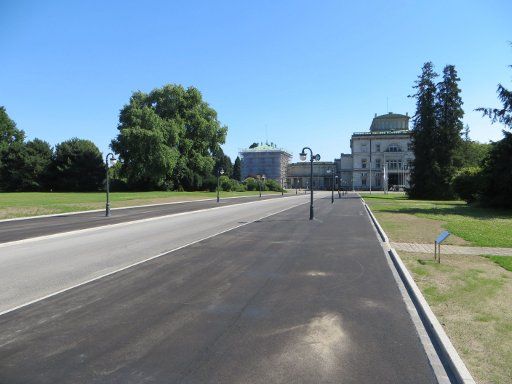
(497, 173)
(77, 166)
(426, 171)
(167, 138)
(497, 170)
(449, 125)
(468, 183)
(470, 153)
(504, 114)
(437, 134)
(27, 166)
(223, 161)
(237, 169)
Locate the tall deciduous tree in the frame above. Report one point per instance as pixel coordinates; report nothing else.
(77, 166)
(167, 138)
(11, 145)
(237, 169)
(26, 166)
(449, 125)
(425, 173)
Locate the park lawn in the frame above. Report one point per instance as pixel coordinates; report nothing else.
(420, 221)
(472, 298)
(502, 261)
(22, 204)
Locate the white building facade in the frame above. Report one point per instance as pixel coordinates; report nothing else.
(383, 156)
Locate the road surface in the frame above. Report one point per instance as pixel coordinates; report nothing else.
(12, 230)
(279, 300)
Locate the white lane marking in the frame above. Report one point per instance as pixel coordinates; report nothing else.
(125, 223)
(145, 260)
(128, 207)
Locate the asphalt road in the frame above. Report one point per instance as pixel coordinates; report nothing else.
(27, 228)
(37, 267)
(279, 300)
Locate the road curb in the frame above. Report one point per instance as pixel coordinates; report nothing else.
(444, 346)
(381, 232)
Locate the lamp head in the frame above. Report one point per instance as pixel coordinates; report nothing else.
(112, 160)
(302, 156)
(221, 171)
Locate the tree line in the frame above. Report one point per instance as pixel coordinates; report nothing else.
(447, 162)
(168, 139)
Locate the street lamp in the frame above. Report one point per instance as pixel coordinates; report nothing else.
(312, 158)
(282, 186)
(331, 171)
(219, 172)
(262, 177)
(109, 158)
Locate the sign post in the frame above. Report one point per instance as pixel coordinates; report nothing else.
(437, 245)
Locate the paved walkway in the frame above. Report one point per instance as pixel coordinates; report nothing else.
(452, 249)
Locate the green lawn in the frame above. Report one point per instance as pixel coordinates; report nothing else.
(472, 225)
(502, 261)
(20, 204)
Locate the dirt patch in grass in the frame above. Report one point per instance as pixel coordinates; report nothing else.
(405, 228)
(472, 298)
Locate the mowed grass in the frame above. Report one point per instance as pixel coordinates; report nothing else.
(21, 204)
(503, 261)
(472, 298)
(421, 221)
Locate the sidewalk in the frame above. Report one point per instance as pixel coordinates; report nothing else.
(452, 249)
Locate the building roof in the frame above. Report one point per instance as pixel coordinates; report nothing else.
(264, 148)
(390, 122)
(391, 115)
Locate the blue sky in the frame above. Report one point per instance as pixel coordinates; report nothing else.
(292, 72)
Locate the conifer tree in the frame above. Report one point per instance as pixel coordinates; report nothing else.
(425, 172)
(449, 115)
(237, 169)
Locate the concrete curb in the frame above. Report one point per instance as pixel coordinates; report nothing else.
(434, 328)
(381, 232)
(445, 348)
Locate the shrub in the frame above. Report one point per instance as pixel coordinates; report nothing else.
(469, 183)
(272, 185)
(251, 184)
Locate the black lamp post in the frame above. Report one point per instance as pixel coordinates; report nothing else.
(331, 171)
(110, 157)
(312, 158)
(219, 172)
(282, 187)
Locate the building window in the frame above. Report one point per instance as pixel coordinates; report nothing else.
(377, 163)
(392, 164)
(363, 163)
(409, 146)
(377, 147)
(363, 179)
(363, 147)
(394, 148)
